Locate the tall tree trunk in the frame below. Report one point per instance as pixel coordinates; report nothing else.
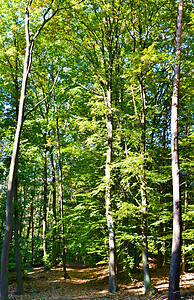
(174, 278)
(146, 273)
(147, 278)
(54, 210)
(32, 230)
(32, 217)
(39, 220)
(10, 188)
(161, 226)
(9, 205)
(142, 181)
(45, 202)
(19, 277)
(14, 158)
(61, 198)
(184, 227)
(110, 223)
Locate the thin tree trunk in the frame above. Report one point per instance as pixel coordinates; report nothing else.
(110, 223)
(185, 212)
(32, 214)
(31, 221)
(65, 275)
(9, 204)
(14, 158)
(9, 201)
(28, 229)
(39, 231)
(146, 273)
(45, 202)
(174, 278)
(147, 278)
(184, 227)
(161, 226)
(22, 215)
(61, 199)
(19, 277)
(54, 249)
(142, 180)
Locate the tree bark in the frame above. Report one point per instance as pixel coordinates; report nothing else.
(54, 209)
(184, 227)
(110, 223)
(161, 226)
(31, 219)
(19, 276)
(32, 230)
(45, 203)
(174, 277)
(146, 273)
(61, 198)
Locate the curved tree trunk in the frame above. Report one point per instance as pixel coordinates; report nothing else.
(174, 278)
(14, 158)
(10, 189)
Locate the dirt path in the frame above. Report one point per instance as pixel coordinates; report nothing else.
(92, 283)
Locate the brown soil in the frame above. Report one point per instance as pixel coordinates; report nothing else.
(92, 283)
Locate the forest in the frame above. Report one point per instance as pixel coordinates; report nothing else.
(96, 140)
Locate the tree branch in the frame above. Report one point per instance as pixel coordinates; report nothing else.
(89, 90)
(52, 88)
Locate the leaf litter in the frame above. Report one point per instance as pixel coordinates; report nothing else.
(92, 283)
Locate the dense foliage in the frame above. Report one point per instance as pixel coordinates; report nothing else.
(64, 140)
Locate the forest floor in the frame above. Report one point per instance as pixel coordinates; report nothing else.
(92, 283)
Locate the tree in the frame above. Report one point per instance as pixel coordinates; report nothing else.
(9, 206)
(174, 278)
(100, 34)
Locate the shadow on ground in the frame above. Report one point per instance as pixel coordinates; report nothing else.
(92, 283)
